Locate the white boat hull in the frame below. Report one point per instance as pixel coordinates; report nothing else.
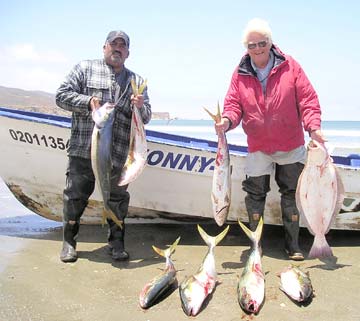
(176, 183)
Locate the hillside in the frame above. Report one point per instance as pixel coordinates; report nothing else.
(41, 101)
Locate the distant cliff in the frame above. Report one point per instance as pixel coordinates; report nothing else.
(161, 115)
(41, 101)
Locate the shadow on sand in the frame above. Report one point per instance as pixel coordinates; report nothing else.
(140, 238)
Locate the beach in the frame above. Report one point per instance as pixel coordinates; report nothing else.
(36, 285)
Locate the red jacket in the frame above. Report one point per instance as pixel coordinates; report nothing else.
(274, 121)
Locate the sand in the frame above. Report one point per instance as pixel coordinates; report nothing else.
(36, 285)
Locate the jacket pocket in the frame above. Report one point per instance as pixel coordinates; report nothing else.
(100, 89)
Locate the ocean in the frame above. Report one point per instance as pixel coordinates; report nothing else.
(342, 136)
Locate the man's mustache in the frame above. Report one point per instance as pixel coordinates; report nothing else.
(117, 52)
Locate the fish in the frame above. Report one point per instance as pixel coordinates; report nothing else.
(195, 289)
(137, 155)
(319, 196)
(221, 184)
(159, 285)
(251, 285)
(101, 147)
(296, 283)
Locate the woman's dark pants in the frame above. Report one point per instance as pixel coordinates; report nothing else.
(286, 176)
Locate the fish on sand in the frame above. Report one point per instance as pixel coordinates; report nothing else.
(137, 156)
(319, 196)
(101, 147)
(251, 285)
(296, 283)
(221, 185)
(159, 285)
(194, 290)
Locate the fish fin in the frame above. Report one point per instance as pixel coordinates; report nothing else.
(340, 194)
(298, 265)
(253, 236)
(218, 113)
(169, 251)
(207, 238)
(134, 87)
(259, 229)
(173, 246)
(142, 87)
(216, 117)
(320, 248)
(103, 218)
(219, 237)
(138, 90)
(109, 214)
(213, 116)
(212, 240)
(158, 251)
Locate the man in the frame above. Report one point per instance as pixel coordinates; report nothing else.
(89, 85)
(271, 95)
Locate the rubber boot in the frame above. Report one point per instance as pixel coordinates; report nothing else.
(116, 246)
(70, 233)
(256, 188)
(291, 228)
(286, 177)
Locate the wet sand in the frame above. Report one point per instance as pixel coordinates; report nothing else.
(36, 285)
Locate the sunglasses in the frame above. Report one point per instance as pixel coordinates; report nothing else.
(260, 44)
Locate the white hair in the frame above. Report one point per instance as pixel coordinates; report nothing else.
(259, 26)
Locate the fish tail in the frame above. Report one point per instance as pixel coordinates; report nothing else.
(103, 218)
(109, 214)
(213, 116)
(212, 241)
(320, 248)
(134, 87)
(253, 236)
(169, 251)
(137, 90)
(142, 87)
(216, 117)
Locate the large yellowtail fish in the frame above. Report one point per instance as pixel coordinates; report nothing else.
(251, 285)
(137, 156)
(161, 284)
(195, 289)
(319, 196)
(101, 147)
(296, 284)
(221, 185)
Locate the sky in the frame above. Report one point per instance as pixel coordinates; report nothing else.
(187, 50)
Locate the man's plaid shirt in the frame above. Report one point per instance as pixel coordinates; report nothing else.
(95, 78)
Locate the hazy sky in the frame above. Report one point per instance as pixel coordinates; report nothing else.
(186, 49)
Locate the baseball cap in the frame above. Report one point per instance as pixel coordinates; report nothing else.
(118, 34)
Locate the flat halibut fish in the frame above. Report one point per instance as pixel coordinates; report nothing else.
(162, 283)
(319, 196)
(137, 155)
(101, 148)
(251, 285)
(195, 289)
(221, 184)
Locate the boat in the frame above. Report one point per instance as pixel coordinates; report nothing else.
(175, 185)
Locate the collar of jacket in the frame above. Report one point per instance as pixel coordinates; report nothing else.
(245, 67)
